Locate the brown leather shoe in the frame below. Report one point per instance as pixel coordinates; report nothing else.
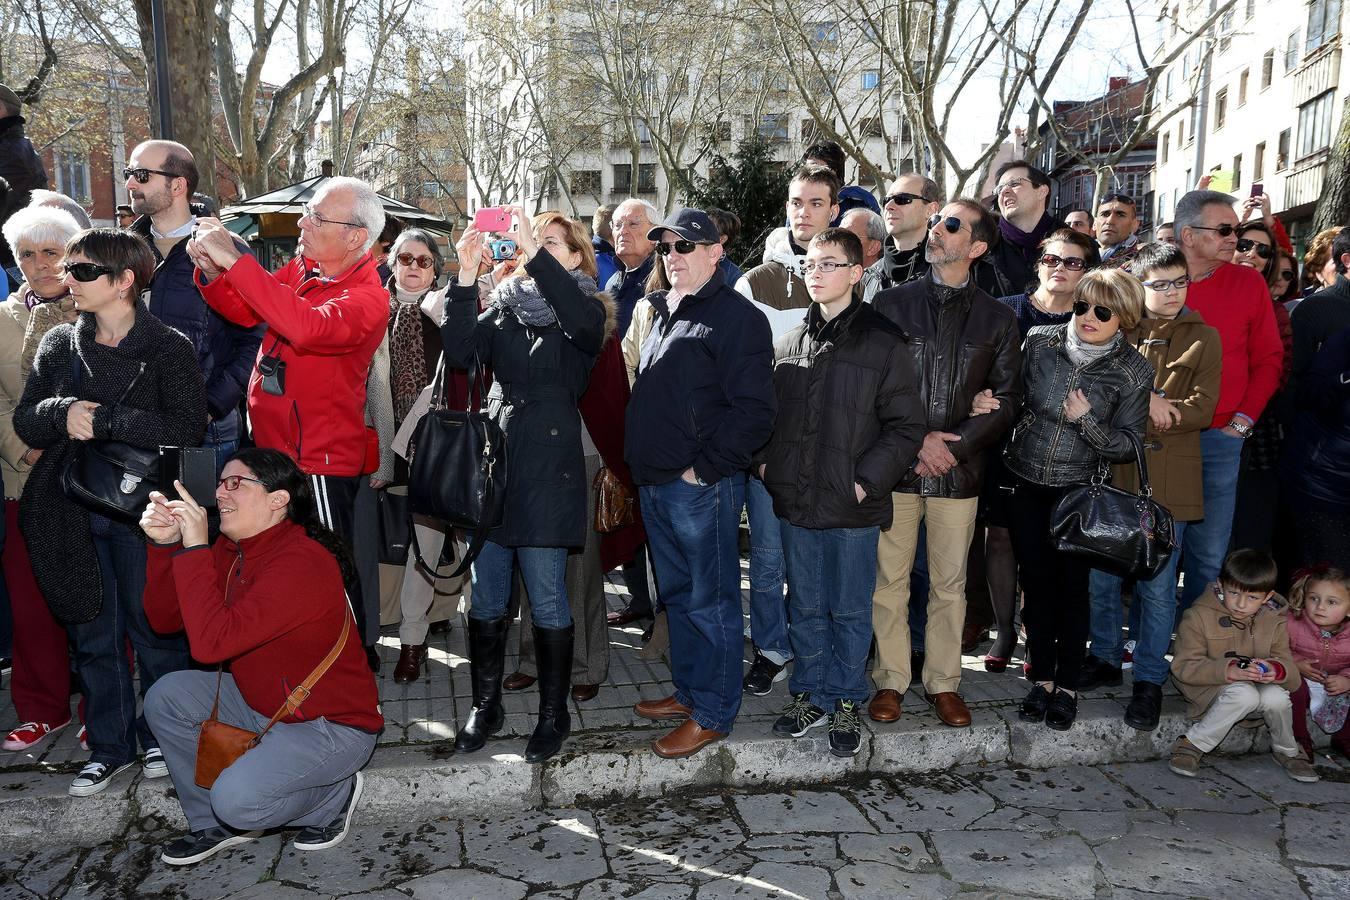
(583, 692)
(951, 709)
(518, 681)
(685, 741)
(411, 659)
(665, 708)
(885, 706)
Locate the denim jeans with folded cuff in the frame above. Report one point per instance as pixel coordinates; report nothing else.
(768, 608)
(544, 570)
(833, 573)
(692, 536)
(1206, 542)
(1152, 615)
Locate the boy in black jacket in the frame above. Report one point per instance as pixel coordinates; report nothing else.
(849, 424)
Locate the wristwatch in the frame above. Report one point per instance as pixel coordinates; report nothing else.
(1241, 425)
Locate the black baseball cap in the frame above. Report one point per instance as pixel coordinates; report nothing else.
(690, 224)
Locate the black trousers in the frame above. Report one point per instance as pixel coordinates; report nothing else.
(1055, 586)
(335, 499)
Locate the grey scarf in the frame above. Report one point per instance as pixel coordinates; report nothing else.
(1081, 353)
(522, 298)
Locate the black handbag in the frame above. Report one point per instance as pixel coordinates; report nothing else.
(395, 526)
(111, 478)
(457, 466)
(1131, 535)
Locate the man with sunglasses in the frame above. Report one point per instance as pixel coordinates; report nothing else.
(1236, 302)
(702, 403)
(965, 342)
(1117, 221)
(910, 201)
(160, 178)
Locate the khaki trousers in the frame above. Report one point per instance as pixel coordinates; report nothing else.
(951, 525)
(1236, 702)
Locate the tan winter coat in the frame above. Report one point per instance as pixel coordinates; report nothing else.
(1199, 666)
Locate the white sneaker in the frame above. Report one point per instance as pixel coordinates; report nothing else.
(1127, 660)
(153, 764)
(94, 777)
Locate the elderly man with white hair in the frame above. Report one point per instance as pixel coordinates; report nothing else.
(326, 313)
(870, 229)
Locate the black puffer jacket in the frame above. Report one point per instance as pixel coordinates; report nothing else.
(1316, 462)
(848, 411)
(538, 372)
(963, 341)
(1045, 448)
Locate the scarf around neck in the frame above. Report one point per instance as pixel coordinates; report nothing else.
(1026, 241)
(522, 298)
(1081, 353)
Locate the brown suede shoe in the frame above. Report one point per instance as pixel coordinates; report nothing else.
(411, 659)
(685, 741)
(583, 692)
(665, 708)
(518, 681)
(951, 709)
(885, 706)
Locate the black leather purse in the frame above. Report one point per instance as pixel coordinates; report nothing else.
(457, 467)
(395, 527)
(1127, 534)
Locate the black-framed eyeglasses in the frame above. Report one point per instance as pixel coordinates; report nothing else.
(1246, 245)
(951, 223)
(320, 220)
(902, 199)
(142, 175)
(1118, 198)
(407, 260)
(665, 248)
(826, 267)
(231, 482)
(1162, 285)
(1103, 313)
(1224, 230)
(86, 272)
(1072, 263)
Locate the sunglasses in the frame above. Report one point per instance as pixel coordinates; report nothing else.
(902, 199)
(1103, 313)
(1162, 285)
(1224, 230)
(1286, 274)
(1246, 245)
(86, 272)
(143, 175)
(231, 482)
(681, 247)
(1072, 263)
(951, 223)
(407, 260)
(1117, 198)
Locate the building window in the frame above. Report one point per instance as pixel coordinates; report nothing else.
(870, 79)
(1291, 51)
(431, 189)
(1282, 154)
(719, 131)
(646, 178)
(1259, 162)
(870, 127)
(1251, 8)
(1181, 130)
(1237, 172)
(1225, 31)
(72, 174)
(1167, 90)
(1242, 87)
(773, 127)
(623, 178)
(1220, 108)
(1166, 147)
(1267, 69)
(586, 181)
(1314, 125)
(1324, 23)
(826, 32)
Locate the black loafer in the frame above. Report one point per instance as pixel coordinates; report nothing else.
(1098, 673)
(1145, 707)
(1061, 711)
(1034, 704)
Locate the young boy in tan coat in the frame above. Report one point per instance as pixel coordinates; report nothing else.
(1233, 660)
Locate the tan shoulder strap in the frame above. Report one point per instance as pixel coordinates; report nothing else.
(301, 692)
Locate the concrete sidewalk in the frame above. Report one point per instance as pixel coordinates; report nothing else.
(414, 776)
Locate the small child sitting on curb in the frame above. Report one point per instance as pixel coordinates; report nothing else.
(1233, 660)
(1319, 637)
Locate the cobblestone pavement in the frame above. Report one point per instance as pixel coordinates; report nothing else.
(1131, 830)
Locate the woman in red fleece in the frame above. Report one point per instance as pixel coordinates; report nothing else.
(265, 601)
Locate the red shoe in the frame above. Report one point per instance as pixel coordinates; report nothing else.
(995, 663)
(30, 734)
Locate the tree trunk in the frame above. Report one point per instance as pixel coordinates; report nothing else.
(190, 88)
(1333, 208)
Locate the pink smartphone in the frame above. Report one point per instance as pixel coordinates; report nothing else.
(493, 219)
(1258, 189)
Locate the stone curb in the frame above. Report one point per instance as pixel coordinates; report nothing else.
(415, 783)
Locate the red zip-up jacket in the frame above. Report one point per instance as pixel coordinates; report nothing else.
(326, 330)
(271, 607)
(1236, 302)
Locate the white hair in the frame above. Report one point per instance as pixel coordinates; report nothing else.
(53, 200)
(366, 206)
(40, 225)
(653, 214)
(876, 226)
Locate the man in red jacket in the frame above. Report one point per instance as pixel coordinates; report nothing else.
(326, 313)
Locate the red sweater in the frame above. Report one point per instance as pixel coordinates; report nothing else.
(1236, 302)
(326, 330)
(284, 612)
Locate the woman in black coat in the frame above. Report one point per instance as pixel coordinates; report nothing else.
(116, 373)
(541, 334)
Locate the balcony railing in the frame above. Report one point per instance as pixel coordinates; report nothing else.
(1318, 74)
(1304, 184)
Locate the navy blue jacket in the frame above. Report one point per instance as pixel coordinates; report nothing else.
(704, 393)
(225, 351)
(627, 288)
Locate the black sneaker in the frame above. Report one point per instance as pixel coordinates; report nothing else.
(94, 777)
(800, 717)
(330, 835)
(845, 729)
(763, 674)
(1098, 673)
(198, 845)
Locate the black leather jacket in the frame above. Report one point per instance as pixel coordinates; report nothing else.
(963, 341)
(1045, 448)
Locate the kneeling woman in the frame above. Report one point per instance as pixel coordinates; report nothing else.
(267, 600)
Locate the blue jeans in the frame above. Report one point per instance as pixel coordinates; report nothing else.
(101, 648)
(544, 570)
(1206, 542)
(833, 572)
(1152, 616)
(768, 609)
(692, 536)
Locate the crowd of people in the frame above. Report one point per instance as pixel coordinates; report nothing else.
(896, 397)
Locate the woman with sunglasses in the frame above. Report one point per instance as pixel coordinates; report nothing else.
(115, 374)
(542, 332)
(1087, 391)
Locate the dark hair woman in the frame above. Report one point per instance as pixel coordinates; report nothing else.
(116, 373)
(542, 331)
(267, 601)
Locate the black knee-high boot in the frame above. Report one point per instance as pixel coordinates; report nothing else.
(553, 652)
(487, 647)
